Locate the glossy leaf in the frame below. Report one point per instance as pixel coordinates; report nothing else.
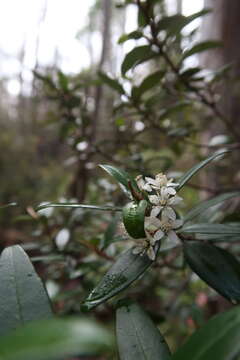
(200, 47)
(138, 337)
(218, 339)
(221, 229)
(190, 173)
(174, 24)
(113, 83)
(23, 297)
(55, 339)
(122, 177)
(132, 35)
(217, 267)
(205, 205)
(82, 206)
(137, 56)
(148, 83)
(126, 269)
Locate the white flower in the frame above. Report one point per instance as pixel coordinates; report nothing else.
(162, 184)
(168, 226)
(142, 184)
(145, 246)
(164, 203)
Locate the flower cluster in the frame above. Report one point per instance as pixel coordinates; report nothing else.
(163, 219)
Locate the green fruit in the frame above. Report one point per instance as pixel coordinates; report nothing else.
(133, 218)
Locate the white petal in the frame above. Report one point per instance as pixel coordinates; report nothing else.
(151, 254)
(173, 236)
(171, 191)
(172, 184)
(138, 250)
(158, 235)
(175, 200)
(154, 199)
(156, 210)
(150, 181)
(164, 193)
(177, 223)
(140, 182)
(169, 213)
(147, 187)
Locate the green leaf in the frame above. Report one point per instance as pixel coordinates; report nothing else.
(174, 24)
(63, 80)
(205, 205)
(23, 297)
(148, 83)
(189, 174)
(113, 83)
(132, 35)
(82, 206)
(54, 339)
(221, 229)
(178, 106)
(217, 267)
(126, 269)
(217, 340)
(122, 177)
(202, 46)
(137, 56)
(138, 337)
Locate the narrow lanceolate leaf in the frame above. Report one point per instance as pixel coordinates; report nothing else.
(189, 174)
(122, 177)
(55, 339)
(202, 46)
(205, 205)
(137, 56)
(218, 339)
(82, 206)
(220, 229)
(126, 269)
(138, 337)
(113, 83)
(23, 297)
(217, 267)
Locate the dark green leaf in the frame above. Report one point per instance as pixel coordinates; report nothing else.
(217, 267)
(113, 83)
(174, 24)
(221, 229)
(205, 205)
(202, 46)
(23, 297)
(138, 337)
(148, 83)
(63, 81)
(175, 108)
(54, 339)
(82, 206)
(217, 340)
(122, 177)
(189, 174)
(126, 269)
(132, 35)
(137, 56)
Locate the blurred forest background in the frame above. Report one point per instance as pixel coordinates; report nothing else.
(61, 117)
